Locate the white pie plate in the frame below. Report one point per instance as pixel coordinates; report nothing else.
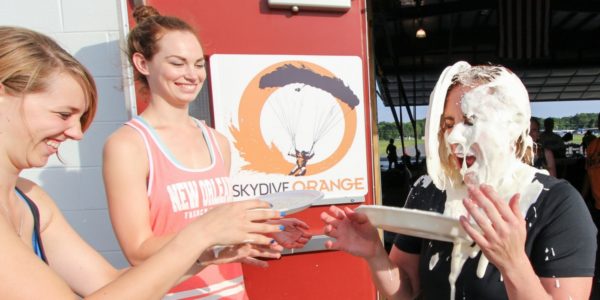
(291, 202)
(413, 222)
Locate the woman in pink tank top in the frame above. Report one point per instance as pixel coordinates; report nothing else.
(165, 168)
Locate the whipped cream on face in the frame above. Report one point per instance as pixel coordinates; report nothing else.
(496, 116)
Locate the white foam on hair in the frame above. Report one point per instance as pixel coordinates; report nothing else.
(500, 110)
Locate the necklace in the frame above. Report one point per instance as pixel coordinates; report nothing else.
(18, 230)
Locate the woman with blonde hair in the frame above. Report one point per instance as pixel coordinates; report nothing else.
(527, 234)
(47, 98)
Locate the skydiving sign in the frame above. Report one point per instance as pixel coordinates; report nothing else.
(294, 122)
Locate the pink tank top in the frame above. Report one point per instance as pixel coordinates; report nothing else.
(177, 195)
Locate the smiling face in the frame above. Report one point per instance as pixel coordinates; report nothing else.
(176, 72)
(47, 119)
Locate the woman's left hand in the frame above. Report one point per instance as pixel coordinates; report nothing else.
(244, 253)
(503, 227)
(294, 234)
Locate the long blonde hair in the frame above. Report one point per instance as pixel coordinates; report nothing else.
(28, 59)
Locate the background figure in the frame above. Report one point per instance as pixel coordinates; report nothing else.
(164, 168)
(406, 159)
(568, 137)
(47, 98)
(418, 157)
(592, 166)
(478, 150)
(392, 155)
(591, 192)
(543, 158)
(587, 139)
(552, 141)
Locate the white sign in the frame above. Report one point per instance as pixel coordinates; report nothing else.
(294, 122)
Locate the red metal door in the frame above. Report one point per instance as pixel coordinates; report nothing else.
(251, 27)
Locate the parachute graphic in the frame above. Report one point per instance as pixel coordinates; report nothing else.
(303, 99)
(283, 113)
(289, 73)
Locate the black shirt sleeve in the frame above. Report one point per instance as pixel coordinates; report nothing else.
(423, 196)
(561, 236)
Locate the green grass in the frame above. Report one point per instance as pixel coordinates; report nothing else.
(411, 143)
(407, 143)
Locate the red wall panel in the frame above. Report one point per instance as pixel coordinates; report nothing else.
(250, 27)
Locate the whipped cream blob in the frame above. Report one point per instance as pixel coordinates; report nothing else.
(486, 146)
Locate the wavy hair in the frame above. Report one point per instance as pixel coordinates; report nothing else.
(28, 60)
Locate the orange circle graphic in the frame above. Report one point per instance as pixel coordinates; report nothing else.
(248, 139)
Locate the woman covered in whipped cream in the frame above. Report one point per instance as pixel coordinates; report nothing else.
(532, 236)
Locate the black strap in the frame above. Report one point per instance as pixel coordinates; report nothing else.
(36, 224)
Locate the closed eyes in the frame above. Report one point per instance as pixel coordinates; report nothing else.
(449, 122)
(65, 115)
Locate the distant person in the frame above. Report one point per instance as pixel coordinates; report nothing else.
(592, 183)
(543, 158)
(568, 137)
(405, 158)
(417, 157)
(392, 155)
(588, 137)
(568, 141)
(592, 165)
(551, 140)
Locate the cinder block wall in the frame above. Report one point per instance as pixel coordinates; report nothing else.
(88, 29)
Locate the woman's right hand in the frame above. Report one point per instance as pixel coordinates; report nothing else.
(353, 232)
(238, 223)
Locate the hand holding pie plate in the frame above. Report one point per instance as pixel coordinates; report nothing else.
(290, 202)
(287, 202)
(413, 222)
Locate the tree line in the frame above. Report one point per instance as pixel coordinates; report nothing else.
(388, 130)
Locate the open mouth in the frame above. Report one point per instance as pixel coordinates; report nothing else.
(465, 155)
(469, 159)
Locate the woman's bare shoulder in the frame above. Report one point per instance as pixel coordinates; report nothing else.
(32, 190)
(124, 141)
(42, 200)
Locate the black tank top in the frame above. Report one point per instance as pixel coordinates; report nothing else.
(36, 237)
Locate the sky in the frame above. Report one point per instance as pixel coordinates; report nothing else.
(538, 109)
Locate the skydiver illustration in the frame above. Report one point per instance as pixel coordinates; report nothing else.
(302, 158)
